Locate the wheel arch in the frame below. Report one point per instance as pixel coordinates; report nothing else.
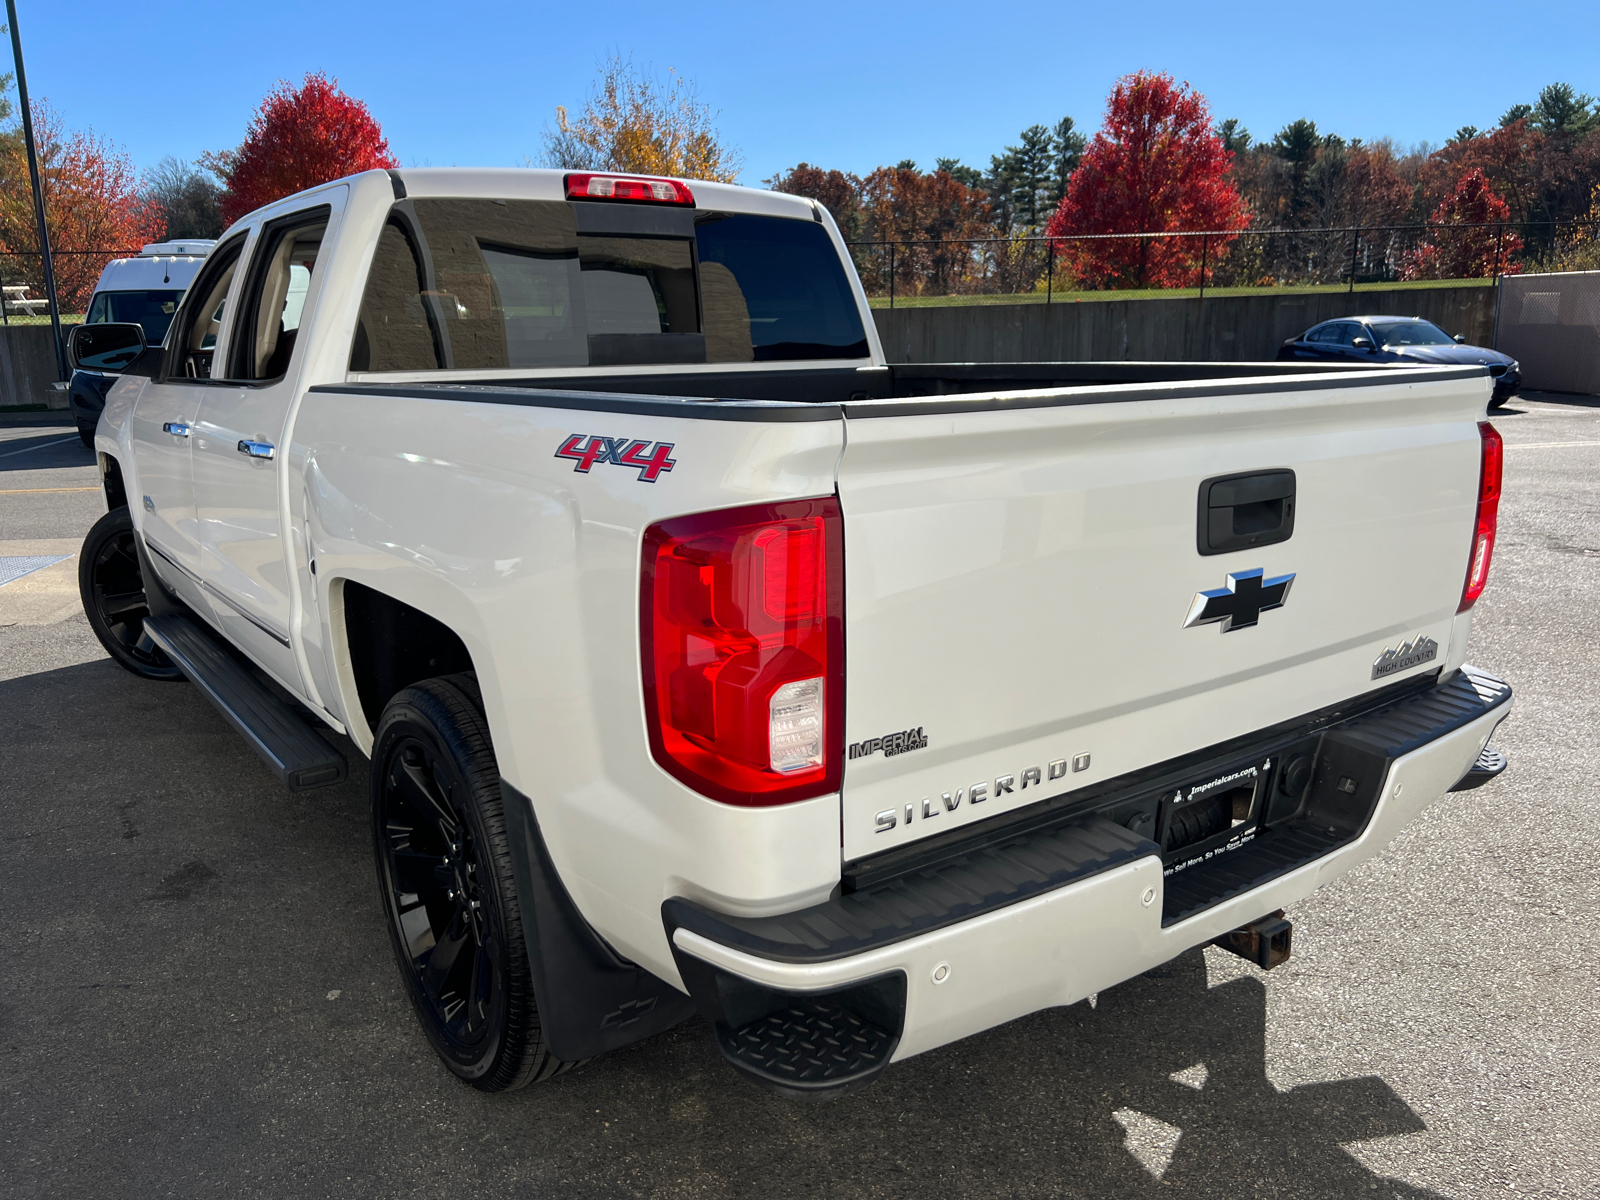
(390, 633)
(116, 492)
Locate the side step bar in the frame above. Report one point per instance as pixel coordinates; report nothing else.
(287, 744)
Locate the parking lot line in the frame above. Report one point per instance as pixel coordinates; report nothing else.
(42, 446)
(31, 491)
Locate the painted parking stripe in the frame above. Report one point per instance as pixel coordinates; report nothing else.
(45, 446)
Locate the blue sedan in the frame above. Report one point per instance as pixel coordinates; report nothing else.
(1401, 339)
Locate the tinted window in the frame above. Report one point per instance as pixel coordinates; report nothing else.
(1412, 333)
(492, 283)
(1347, 331)
(1323, 333)
(151, 309)
(782, 277)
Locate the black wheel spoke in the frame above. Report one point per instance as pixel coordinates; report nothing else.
(417, 872)
(447, 954)
(122, 604)
(418, 785)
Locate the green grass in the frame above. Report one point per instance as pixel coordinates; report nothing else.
(43, 319)
(1171, 293)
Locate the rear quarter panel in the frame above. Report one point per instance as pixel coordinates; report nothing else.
(462, 510)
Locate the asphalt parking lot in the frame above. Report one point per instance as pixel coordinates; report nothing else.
(198, 999)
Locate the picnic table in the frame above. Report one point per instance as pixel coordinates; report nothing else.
(16, 300)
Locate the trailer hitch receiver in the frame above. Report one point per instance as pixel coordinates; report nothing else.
(1266, 942)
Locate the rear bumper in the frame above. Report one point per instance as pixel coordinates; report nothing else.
(1022, 947)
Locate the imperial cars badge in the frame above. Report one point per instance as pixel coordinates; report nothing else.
(1403, 657)
(891, 744)
(1241, 603)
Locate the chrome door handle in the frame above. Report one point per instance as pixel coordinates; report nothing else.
(176, 428)
(256, 449)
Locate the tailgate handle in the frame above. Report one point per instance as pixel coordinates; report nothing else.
(1241, 512)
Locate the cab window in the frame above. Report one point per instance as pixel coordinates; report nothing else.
(201, 314)
(274, 301)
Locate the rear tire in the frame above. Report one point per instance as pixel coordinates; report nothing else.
(111, 585)
(444, 874)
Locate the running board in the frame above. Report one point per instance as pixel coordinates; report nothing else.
(299, 758)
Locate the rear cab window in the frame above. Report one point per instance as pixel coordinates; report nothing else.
(483, 284)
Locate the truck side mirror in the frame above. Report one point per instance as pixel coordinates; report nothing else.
(108, 346)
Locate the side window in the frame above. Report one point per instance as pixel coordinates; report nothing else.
(1323, 333)
(274, 298)
(190, 352)
(1347, 332)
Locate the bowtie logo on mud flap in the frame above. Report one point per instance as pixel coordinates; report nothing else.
(651, 459)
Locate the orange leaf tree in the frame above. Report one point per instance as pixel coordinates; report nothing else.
(91, 202)
(1474, 250)
(1155, 166)
(298, 138)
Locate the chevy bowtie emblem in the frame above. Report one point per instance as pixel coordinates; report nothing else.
(1241, 603)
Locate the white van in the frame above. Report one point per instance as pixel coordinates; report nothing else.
(146, 289)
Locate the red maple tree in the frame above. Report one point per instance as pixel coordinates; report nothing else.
(1154, 167)
(1478, 248)
(298, 138)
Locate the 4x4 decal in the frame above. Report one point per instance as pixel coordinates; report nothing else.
(651, 458)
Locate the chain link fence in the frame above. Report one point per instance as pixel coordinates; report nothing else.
(76, 271)
(1043, 269)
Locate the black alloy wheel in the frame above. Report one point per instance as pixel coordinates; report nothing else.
(111, 585)
(445, 878)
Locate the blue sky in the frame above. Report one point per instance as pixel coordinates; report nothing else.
(847, 85)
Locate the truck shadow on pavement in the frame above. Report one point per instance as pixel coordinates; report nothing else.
(238, 928)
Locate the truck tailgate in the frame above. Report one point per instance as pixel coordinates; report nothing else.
(1020, 568)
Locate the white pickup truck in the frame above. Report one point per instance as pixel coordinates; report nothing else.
(707, 661)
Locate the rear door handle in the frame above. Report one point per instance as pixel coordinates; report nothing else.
(176, 428)
(256, 449)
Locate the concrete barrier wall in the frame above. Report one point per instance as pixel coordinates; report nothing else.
(1220, 329)
(27, 364)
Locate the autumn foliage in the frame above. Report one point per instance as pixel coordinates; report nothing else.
(298, 138)
(91, 203)
(1478, 248)
(1155, 166)
(636, 123)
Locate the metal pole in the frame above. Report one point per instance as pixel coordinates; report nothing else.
(1200, 311)
(1050, 277)
(891, 274)
(38, 191)
(5, 317)
(1355, 246)
(1499, 239)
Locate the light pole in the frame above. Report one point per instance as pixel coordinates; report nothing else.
(38, 191)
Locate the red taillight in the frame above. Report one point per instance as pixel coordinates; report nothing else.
(1494, 454)
(587, 186)
(743, 650)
